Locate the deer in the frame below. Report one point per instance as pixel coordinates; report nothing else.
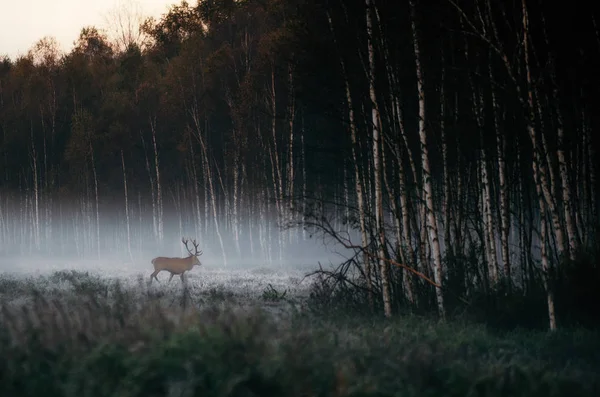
(177, 265)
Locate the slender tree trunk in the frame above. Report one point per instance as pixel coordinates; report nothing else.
(159, 204)
(377, 138)
(291, 118)
(357, 175)
(96, 196)
(570, 221)
(504, 198)
(544, 256)
(427, 184)
(211, 186)
(406, 230)
(488, 221)
(522, 234)
(205, 184)
(236, 200)
(591, 154)
(447, 197)
(127, 223)
(36, 193)
(540, 182)
(195, 182)
(275, 161)
(304, 182)
(581, 181)
(566, 186)
(543, 179)
(397, 219)
(458, 194)
(405, 247)
(152, 190)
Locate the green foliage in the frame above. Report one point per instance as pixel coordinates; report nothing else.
(469, 298)
(331, 294)
(576, 288)
(224, 351)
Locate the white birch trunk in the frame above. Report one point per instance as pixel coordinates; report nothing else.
(291, 116)
(211, 186)
(541, 184)
(195, 183)
(152, 189)
(127, 224)
(489, 221)
(236, 199)
(96, 196)
(36, 193)
(543, 178)
(159, 204)
(277, 174)
(358, 186)
(544, 256)
(446, 175)
(427, 183)
(304, 184)
(377, 138)
(564, 179)
(504, 210)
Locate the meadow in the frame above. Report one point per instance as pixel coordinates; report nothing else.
(260, 332)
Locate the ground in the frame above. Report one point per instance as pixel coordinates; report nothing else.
(98, 329)
(275, 289)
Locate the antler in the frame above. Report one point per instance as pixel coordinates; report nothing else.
(195, 244)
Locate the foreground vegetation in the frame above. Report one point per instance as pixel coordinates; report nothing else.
(75, 334)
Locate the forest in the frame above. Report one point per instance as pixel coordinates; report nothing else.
(439, 154)
(447, 146)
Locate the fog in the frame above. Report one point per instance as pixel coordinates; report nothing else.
(62, 236)
(112, 239)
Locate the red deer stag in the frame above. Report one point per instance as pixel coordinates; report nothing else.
(177, 265)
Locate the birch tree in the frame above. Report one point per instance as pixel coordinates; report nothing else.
(358, 187)
(377, 165)
(427, 177)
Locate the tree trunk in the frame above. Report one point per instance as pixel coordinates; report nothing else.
(304, 182)
(544, 256)
(447, 193)
(277, 175)
(543, 179)
(152, 189)
(194, 183)
(126, 207)
(96, 196)
(211, 186)
(159, 204)
(291, 118)
(427, 184)
(504, 197)
(36, 193)
(357, 176)
(377, 138)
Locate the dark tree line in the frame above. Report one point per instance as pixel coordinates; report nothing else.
(449, 144)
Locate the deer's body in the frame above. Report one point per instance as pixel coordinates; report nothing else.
(175, 265)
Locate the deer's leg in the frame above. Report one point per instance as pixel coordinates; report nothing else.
(170, 278)
(153, 275)
(182, 279)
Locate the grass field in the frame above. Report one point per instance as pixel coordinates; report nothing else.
(253, 333)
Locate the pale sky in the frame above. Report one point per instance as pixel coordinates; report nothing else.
(24, 22)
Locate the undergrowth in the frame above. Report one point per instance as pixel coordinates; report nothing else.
(75, 334)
